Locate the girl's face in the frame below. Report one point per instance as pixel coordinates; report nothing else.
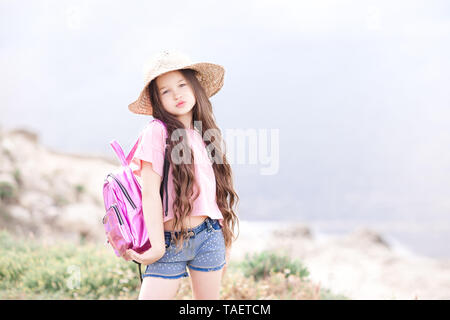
(176, 95)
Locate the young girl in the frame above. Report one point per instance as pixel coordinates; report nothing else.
(198, 230)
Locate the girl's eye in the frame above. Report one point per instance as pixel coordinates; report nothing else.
(183, 84)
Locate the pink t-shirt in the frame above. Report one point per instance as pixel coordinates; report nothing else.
(151, 149)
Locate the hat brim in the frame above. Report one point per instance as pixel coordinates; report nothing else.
(210, 76)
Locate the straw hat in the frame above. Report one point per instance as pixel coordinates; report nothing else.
(209, 75)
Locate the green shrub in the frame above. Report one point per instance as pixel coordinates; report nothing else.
(261, 265)
(18, 177)
(7, 192)
(79, 188)
(31, 269)
(63, 271)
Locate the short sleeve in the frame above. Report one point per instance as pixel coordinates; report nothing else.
(150, 148)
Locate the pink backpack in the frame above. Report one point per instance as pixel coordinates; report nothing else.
(124, 219)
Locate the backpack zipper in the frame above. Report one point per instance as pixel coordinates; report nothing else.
(116, 210)
(124, 191)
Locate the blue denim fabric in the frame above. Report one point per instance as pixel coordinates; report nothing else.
(204, 251)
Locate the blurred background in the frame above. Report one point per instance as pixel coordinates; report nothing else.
(357, 89)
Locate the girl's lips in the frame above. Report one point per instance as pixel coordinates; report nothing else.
(180, 104)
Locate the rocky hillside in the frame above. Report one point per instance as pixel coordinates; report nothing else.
(49, 194)
(59, 196)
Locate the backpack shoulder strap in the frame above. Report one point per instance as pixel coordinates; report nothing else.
(133, 150)
(119, 152)
(164, 183)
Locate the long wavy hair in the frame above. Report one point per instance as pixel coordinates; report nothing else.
(183, 173)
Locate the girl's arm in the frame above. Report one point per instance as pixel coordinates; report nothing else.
(153, 217)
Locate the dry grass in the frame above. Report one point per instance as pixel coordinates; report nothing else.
(31, 270)
(236, 286)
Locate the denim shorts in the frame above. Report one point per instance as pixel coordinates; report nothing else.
(204, 251)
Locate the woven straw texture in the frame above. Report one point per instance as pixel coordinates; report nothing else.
(210, 76)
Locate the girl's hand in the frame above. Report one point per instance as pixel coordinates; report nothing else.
(147, 257)
(130, 255)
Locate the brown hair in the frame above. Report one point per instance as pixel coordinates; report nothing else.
(183, 173)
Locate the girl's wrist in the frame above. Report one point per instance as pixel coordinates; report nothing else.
(151, 255)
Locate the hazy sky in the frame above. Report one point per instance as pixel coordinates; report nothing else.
(358, 90)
